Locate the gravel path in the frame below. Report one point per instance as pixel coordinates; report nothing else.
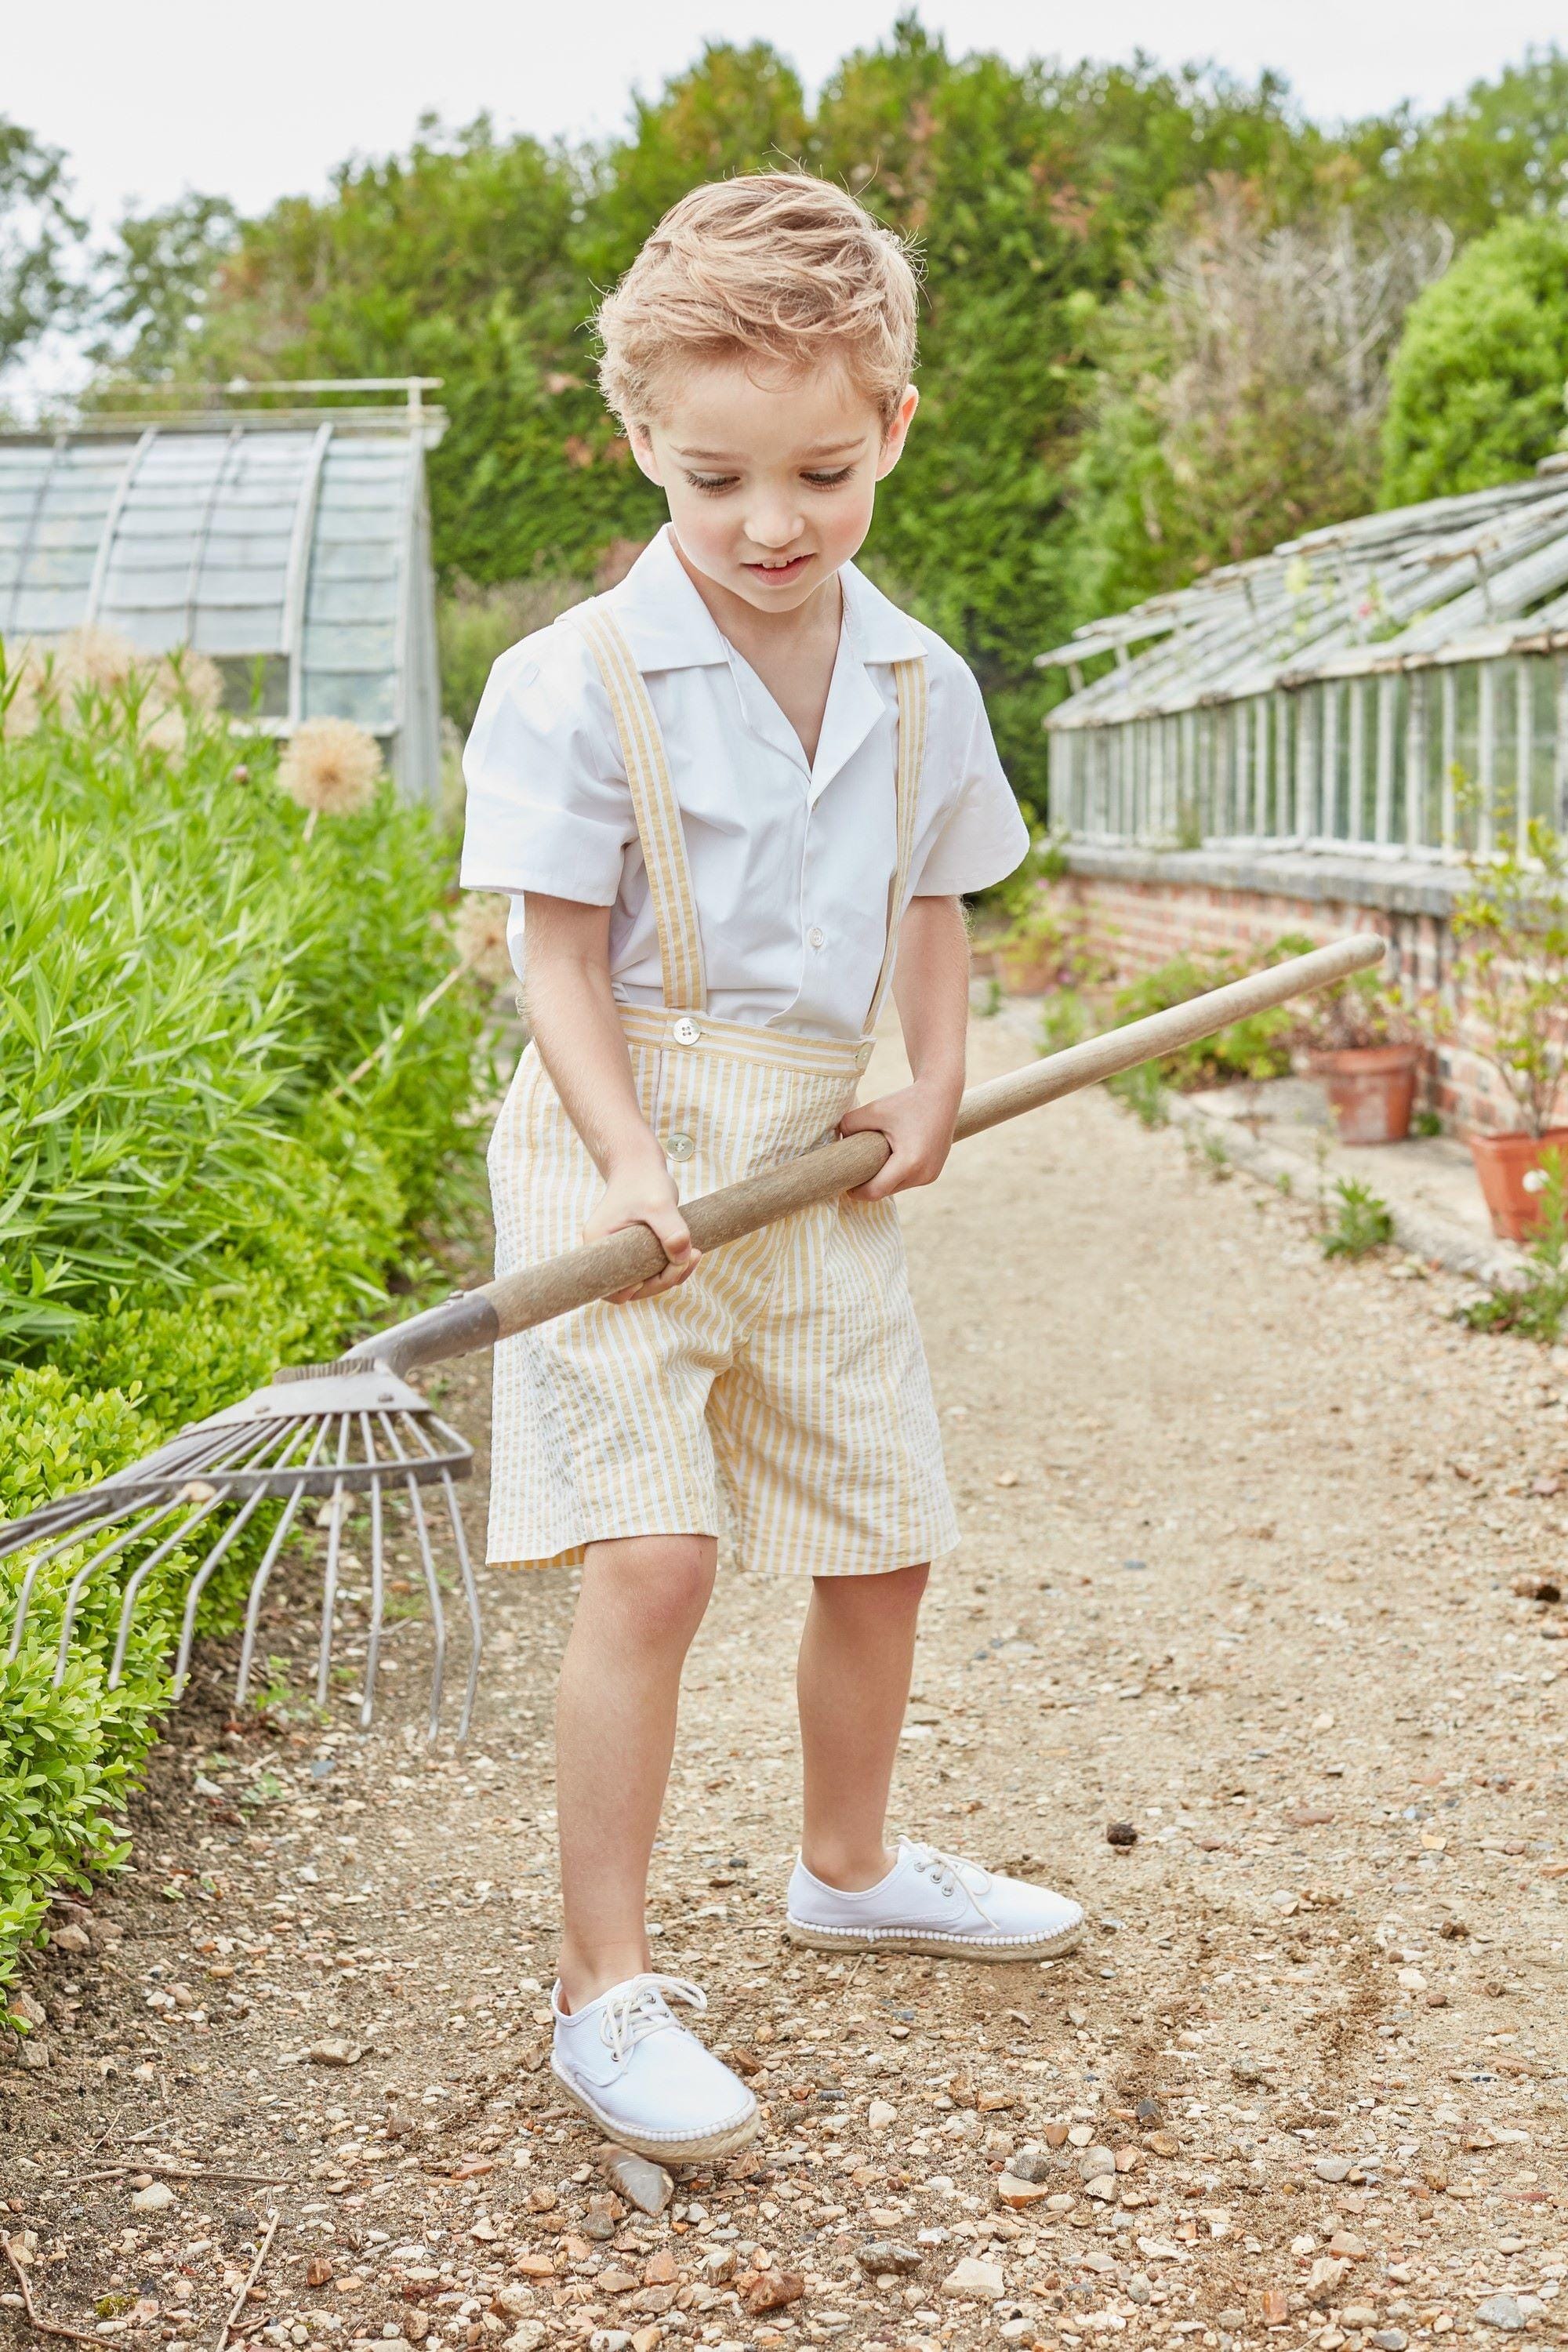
(1243, 1537)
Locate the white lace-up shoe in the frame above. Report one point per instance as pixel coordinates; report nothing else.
(935, 1903)
(648, 2083)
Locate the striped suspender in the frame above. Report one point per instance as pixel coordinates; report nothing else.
(909, 676)
(657, 812)
(656, 809)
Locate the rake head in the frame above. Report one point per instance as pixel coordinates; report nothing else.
(335, 1430)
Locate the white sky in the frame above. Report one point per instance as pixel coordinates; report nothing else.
(256, 101)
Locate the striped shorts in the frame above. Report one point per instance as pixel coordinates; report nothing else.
(786, 1374)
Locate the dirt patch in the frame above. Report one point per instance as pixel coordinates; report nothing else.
(1220, 1582)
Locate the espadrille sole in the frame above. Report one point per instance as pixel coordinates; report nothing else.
(932, 1945)
(664, 2148)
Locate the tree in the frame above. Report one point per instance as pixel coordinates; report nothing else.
(40, 242)
(1241, 390)
(159, 272)
(1477, 389)
(1501, 150)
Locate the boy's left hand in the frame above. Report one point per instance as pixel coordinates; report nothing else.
(918, 1123)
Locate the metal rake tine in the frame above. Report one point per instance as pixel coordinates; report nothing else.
(330, 1590)
(259, 1580)
(70, 1514)
(472, 1593)
(432, 1582)
(77, 1585)
(268, 1440)
(199, 1585)
(372, 1640)
(438, 1613)
(81, 1527)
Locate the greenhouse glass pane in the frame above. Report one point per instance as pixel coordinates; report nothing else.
(370, 701)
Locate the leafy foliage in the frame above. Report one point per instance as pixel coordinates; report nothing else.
(1536, 1308)
(1511, 928)
(41, 236)
(1363, 1220)
(189, 1192)
(1476, 392)
(1255, 1048)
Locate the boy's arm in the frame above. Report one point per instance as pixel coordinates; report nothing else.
(930, 989)
(578, 1032)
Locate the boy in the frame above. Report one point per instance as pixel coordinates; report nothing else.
(721, 795)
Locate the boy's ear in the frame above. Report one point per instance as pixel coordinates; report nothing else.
(893, 439)
(643, 452)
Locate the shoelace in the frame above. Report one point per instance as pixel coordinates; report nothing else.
(948, 1871)
(641, 2007)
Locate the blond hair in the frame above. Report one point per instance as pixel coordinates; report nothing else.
(772, 266)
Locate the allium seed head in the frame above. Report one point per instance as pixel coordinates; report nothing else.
(332, 767)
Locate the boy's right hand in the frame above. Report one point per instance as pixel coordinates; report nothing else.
(642, 1192)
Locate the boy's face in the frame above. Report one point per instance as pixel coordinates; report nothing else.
(771, 479)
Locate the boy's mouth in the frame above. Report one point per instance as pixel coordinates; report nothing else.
(790, 569)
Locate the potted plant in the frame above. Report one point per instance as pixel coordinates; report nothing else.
(1512, 926)
(1363, 1045)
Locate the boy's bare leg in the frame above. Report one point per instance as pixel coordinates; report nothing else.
(641, 1602)
(857, 1655)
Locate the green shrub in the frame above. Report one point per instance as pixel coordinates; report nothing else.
(1476, 392)
(1257, 1048)
(190, 1190)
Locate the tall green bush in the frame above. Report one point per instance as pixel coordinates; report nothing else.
(1477, 390)
(190, 1191)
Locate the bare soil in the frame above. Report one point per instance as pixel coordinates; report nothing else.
(1243, 1532)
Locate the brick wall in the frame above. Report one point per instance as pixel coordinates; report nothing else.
(1142, 923)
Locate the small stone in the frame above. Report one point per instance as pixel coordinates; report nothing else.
(1163, 2143)
(612, 2281)
(641, 2182)
(1348, 2246)
(883, 2256)
(599, 2222)
(773, 2290)
(1331, 2168)
(1149, 2111)
(154, 2198)
(1055, 2135)
(1123, 1833)
(1030, 2164)
(1324, 1722)
(417, 2326)
(974, 2281)
(333, 2053)
(1231, 2320)
(1020, 2194)
(1390, 2339)
(29, 2011)
(514, 2302)
(1093, 2160)
(1276, 2307)
(1500, 2311)
(1283, 1901)
(1412, 1980)
(648, 2339)
(1139, 2288)
(68, 1939)
(1325, 2279)
(880, 2114)
(1060, 2203)
(1081, 2135)
(1102, 2187)
(1358, 2315)
(609, 2339)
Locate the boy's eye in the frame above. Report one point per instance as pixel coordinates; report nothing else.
(829, 481)
(713, 482)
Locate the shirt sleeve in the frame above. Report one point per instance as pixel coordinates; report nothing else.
(549, 808)
(982, 835)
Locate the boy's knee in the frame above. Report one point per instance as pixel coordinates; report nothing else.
(666, 1580)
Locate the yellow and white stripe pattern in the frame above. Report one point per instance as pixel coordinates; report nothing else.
(787, 1375)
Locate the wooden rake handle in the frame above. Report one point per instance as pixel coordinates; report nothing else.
(479, 1317)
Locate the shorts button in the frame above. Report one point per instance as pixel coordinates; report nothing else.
(680, 1147)
(816, 936)
(686, 1032)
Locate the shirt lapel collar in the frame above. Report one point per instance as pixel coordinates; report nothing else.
(663, 618)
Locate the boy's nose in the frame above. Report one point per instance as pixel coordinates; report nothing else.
(774, 527)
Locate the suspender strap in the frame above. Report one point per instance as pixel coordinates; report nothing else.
(654, 808)
(910, 678)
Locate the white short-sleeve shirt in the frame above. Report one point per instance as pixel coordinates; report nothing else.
(791, 862)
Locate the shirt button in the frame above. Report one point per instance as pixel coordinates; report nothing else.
(686, 1032)
(816, 938)
(680, 1147)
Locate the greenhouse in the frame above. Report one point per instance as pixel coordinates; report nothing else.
(1393, 688)
(291, 545)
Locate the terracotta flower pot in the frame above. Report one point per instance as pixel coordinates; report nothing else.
(1370, 1090)
(1503, 1164)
